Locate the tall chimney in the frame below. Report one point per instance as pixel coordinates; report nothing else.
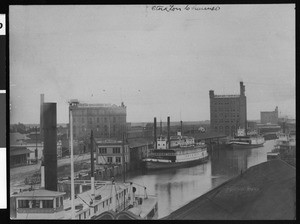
(41, 116)
(154, 130)
(50, 145)
(169, 142)
(160, 127)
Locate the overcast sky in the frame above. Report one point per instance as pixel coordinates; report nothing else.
(159, 63)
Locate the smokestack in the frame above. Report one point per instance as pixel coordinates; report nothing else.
(154, 129)
(41, 116)
(169, 142)
(50, 145)
(160, 127)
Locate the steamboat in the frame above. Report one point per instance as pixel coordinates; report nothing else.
(175, 151)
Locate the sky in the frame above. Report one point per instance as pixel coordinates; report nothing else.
(158, 63)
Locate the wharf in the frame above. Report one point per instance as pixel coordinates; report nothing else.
(266, 191)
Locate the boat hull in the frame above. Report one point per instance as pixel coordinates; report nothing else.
(154, 165)
(245, 146)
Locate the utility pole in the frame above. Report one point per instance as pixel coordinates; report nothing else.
(123, 153)
(36, 150)
(92, 166)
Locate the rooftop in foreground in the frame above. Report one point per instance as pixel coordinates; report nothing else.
(264, 192)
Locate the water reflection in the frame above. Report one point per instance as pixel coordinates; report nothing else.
(176, 187)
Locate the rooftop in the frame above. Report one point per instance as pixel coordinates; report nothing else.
(18, 150)
(40, 193)
(265, 191)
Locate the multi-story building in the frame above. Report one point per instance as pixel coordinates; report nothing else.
(269, 116)
(111, 152)
(107, 121)
(228, 112)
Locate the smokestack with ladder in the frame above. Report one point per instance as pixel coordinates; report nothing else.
(50, 145)
(169, 142)
(154, 133)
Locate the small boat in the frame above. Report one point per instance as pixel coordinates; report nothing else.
(241, 140)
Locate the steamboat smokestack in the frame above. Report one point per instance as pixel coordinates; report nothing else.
(169, 142)
(50, 145)
(154, 130)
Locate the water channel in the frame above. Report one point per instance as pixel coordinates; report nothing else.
(177, 187)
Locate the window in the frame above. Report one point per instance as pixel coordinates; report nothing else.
(96, 209)
(116, 150)
(109, 159)
(47, 203)
(23, 203)
(118, 159)
(84, 215)
(98, 120)
(107, 202)
(103, 204)
(57, 202)
(61, 201)
(103, 150)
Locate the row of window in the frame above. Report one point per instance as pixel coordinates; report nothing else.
(116, 150)
(98, 119)
(110, 160)
(37, 203)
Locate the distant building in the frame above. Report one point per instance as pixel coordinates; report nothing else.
(228, 112)
(269, 116)
(111, 152)
(19, 156)
(107, 121)
(139, 150)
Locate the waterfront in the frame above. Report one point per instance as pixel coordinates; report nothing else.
(177, 187)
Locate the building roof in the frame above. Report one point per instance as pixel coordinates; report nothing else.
(137, 142)
(14, 151)
(40, 193)
(265, 191)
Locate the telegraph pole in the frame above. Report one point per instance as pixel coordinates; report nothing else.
(123, 153)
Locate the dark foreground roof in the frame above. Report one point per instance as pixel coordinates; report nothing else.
(264, 192)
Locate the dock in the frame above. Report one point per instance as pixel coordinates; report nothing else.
(266, 191)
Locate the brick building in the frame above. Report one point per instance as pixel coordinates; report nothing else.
(269, 116)
(106, 121)
(228, 112)
(111, 152)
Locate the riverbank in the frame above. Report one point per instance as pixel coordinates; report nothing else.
(263, 192)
